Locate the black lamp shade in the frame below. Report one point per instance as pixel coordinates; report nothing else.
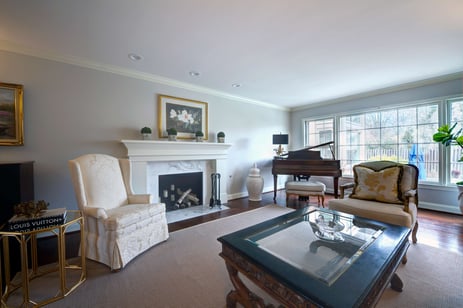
(280, 139)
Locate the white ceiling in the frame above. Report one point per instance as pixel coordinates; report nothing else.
(283, 52)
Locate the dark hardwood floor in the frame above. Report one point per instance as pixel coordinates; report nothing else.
(437, 229)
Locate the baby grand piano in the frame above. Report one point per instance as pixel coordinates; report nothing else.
(307, 163)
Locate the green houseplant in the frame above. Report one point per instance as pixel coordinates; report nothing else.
(199, 136)
(446, 135)
(146, 132)
(221, 137)
(172, 134)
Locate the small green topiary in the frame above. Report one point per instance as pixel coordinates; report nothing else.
(146, 130)
(171, 131)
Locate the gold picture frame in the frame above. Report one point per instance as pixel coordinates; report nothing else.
(11, 114)
(185, 115)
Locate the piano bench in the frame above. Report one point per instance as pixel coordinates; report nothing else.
(306, 189)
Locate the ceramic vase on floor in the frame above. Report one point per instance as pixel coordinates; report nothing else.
(255, 184)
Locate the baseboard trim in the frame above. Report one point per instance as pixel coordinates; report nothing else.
(452, 209)
(245, 194)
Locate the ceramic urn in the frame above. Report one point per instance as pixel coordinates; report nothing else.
(255, 184)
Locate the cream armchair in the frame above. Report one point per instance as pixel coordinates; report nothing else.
(119, 225)
(384, 191)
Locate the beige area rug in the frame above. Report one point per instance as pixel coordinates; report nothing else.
(186, 271)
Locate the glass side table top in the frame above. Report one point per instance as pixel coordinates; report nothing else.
(321, 243)
(72, 216)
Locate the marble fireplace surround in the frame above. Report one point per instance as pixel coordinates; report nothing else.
(151, 158)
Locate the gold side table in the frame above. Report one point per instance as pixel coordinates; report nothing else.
(29, 238)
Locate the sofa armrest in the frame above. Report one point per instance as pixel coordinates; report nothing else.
(96, 212)
(343, 187)
(140, 199)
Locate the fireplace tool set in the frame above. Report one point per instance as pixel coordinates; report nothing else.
(215, 194)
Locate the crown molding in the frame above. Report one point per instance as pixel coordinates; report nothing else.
(394, 88)
(19, 49)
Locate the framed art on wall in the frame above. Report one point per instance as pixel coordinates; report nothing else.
(185, 115)
(11, 114)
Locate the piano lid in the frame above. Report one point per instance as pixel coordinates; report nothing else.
(306, 152)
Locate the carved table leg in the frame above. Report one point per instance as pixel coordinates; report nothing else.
(241, 293)
(396, 283)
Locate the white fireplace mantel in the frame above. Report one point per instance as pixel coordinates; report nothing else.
(156, 150)
(144, 152)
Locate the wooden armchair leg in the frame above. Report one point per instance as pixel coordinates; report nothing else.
(404, 260)
(415, 230)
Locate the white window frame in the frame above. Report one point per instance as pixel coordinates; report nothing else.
(443, 105)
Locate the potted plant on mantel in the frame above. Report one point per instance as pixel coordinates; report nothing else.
(447, 137)
(172, 134)
(220, 137)
(199, 136)
(146, 132)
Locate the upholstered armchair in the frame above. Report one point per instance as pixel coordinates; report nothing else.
(384, 191)
(119, 225)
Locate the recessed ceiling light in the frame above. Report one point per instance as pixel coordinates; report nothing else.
(135, 57)
(236, 85)
(194, 73)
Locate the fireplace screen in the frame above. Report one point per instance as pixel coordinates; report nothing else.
(181, 190)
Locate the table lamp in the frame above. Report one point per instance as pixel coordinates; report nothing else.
(280, 139)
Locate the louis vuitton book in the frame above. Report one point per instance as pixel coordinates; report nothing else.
(47, 218)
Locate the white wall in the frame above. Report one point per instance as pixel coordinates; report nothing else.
(433, 197)
(71, 110)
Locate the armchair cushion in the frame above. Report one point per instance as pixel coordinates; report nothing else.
(131, 214)
(382, 185)
(389, 213)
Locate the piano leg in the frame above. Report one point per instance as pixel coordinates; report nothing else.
(336, 182)
(275, 179)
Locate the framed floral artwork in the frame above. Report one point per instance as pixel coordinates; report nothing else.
(185, 115)
(11, 114)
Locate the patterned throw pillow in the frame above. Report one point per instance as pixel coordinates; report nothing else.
(382, 186)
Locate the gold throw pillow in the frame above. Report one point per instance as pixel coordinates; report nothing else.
(382, 186)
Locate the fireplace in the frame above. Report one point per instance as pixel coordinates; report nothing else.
(181, 190)
(152, 158)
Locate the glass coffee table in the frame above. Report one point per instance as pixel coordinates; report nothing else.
(315, 257)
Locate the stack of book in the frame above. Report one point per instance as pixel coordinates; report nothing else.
(46, 219)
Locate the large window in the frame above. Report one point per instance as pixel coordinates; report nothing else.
(402, 134)
(456, 116)
(320, 131)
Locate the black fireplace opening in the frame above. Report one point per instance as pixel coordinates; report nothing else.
(181, 190)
